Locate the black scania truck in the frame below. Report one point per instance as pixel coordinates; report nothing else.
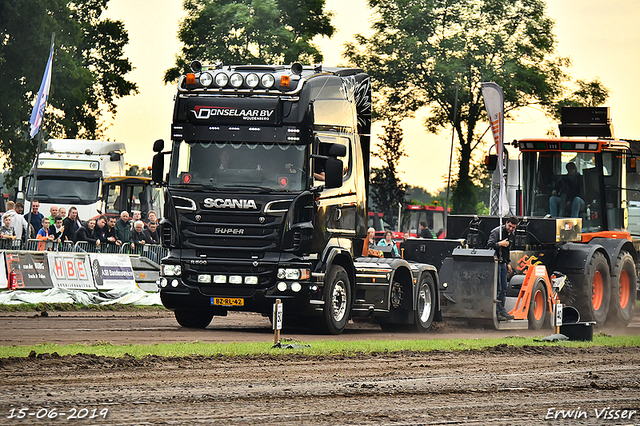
(266, 199)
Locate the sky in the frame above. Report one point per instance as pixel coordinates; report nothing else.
(601, 38)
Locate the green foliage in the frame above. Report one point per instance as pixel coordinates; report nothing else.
(586, 94)
(250, 32)
(421, 50)
(135, 170)
(88, 72)
(387, 191)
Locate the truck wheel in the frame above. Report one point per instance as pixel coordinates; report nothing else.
(592, 300)
(337, 301)
(623, 290)
(538, 312)
(425, 304)
(194, 319)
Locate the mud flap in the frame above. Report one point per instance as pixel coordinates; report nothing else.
(468, 287)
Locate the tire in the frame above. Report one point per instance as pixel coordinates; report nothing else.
(592, 298)
(194, 319)
(623, 290)
(337, 301)
(425, 304)
(538, 308)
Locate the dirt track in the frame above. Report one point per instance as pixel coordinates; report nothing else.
(504, 385)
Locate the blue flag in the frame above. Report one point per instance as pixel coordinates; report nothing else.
(41, 100)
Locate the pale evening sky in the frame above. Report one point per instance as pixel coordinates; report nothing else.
(602, 39)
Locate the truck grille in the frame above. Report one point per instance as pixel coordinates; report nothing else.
(240, 235)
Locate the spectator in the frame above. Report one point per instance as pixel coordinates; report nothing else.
(53, 212)
(18, 223)
(388, 241)
(35, 217)
(43, 232)
(153, 232)
(112, 236)
(152, 217)
(71, 225)
(101, 229)
(88, 232)
(425, 232)
(6, 231)
(135, 216)
(62, 212)
(123, 228)
(58, 229)
(139, 236)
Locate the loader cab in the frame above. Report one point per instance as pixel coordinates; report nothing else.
(576, 178)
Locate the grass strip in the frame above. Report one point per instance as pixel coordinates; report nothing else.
(317, 348)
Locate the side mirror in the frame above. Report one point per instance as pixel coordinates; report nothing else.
(158, 145)
(333, 173)
(157, 167)
(21, 184)
(491, 161)
(337, 150)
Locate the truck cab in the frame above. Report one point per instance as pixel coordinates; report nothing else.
(266, 198)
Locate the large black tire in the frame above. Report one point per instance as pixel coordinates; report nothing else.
(623, 290)
(194, 319)
(426, 302)
(538, 309)
(337, 301)
(592, 298)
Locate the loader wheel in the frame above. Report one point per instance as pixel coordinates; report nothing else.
(337, 301)
(194, 319)
(538, 312)
(623, 290)
(592, 300)
(425, 304)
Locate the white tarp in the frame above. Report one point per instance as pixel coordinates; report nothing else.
(126, 296)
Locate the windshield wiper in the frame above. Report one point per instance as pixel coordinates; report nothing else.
(258, 187)
(43, 197)
(75, 197)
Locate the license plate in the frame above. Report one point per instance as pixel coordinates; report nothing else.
(227, 301)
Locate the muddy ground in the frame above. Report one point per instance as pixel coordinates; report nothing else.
(503, 385)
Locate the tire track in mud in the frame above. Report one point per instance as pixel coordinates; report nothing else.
(502, 385)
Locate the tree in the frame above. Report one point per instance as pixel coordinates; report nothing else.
(587, 94)
(386, 189)
(88, 72)
(251, 32)
(421, 49)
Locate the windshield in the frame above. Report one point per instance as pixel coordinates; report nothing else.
(59, 189)
(269, 166)
(564, 184)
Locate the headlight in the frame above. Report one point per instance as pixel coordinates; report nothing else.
(293, 274)
(282, 286)
(236, 80)
(296, 287)
(235, 279)
(252, 80)
(206, 79)
(163, 282)
(171, 270)
(268, 81)
(219, 279)
(251, 279)
(204, 278)
(221, 79)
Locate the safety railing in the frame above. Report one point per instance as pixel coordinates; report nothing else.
(151, 251)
